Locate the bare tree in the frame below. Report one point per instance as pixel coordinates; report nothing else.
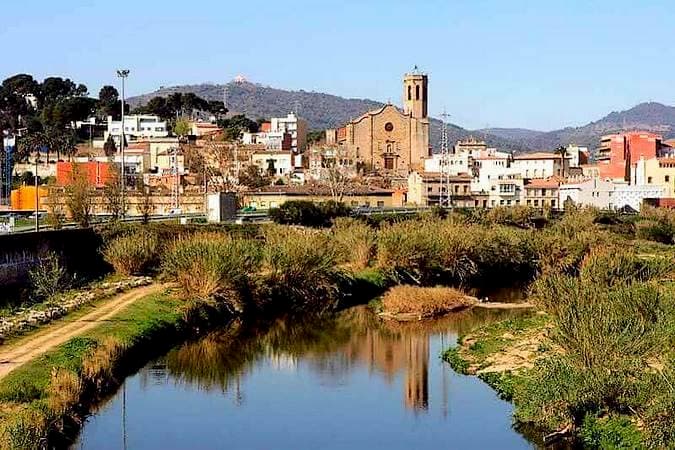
(79, 195)
(112, 193)
(337, 176)
(146, 207)
(56, 207)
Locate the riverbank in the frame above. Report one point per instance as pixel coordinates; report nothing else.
(44, 399)
(597, 368)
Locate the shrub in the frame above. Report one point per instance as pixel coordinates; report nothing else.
(132, 254)
(608, 266)
(307, 213)
(49, 277)
(519, 216)
(652, 230)
(354, 241)
(214, 266)
(425, 301)
(300, 270)
(610, 432)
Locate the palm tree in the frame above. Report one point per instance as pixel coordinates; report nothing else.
(562, 151)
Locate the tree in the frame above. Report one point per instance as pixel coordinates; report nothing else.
(235, 125)
(108, 101)
(56, 207)
(182, 127)
(337, 176)
(562, 151)
(315, 137)
(79, 195)
(109, 147)
(146, 207)
(252, 178)
(112, 193)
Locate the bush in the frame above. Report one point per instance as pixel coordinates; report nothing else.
(652, 230)
(303, 212)
(300, 270)
(211, 266)
(424, 301)
(132, 254)
(354, 241)
(49, 277)
(519, 216)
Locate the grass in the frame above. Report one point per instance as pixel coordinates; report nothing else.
(424, 301)
(42, 391)
(132, 254)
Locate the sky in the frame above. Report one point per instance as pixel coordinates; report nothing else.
(542, 64)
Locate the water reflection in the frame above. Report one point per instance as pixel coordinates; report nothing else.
(330, 346)
(342, 382)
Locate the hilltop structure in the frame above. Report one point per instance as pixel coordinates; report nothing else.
(388, 140)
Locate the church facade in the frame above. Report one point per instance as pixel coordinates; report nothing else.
(390, 141)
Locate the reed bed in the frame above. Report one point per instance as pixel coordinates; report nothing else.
(133, 253)
(424, 301)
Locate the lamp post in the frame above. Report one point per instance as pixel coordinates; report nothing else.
(123, 74)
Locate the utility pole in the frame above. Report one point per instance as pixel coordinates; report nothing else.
(445, 194)
(123, 74)
(37, 194)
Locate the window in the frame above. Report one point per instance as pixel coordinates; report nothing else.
(380, 204)
(649, 180)
(529, 202)
(417, 92)
(536, 203)
(667, 178)
(552, 203)
(409, 92)
(430, 189)
(543, 192)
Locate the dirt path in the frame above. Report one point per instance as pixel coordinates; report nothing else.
(53, 335)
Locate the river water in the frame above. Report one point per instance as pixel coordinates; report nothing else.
(345, 382)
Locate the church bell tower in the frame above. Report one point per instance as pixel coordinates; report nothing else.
(415, 94)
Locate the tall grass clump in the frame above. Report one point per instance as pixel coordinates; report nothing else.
(611, 323)
(300, 271)
(132, 253)
(212, 266)
(452, 252)
(424, 301)
(517, 216)
(355, 242)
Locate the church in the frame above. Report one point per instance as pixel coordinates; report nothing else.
(390, 141)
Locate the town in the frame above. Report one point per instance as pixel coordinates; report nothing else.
(168, 156)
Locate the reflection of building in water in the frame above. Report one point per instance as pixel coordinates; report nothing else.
(393, 353)
(417, 371)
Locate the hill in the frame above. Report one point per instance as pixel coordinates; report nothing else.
(651, 116)
(321, 110)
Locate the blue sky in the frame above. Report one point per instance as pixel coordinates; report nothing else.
(539, 64)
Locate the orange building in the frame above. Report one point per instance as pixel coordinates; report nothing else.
(619, 152)
(23, 199)
(98, 173)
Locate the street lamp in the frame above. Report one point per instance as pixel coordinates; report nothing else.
(123, 74)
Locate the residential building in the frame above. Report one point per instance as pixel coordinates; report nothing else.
(203, 129)
(293, 125)
(541, 165)
(619, 152)
(457, 163)
(355, 196)
(274, 163)
(136, 126)
(505, 190)
(540, 193)
(326, 159)
(656, 172)
(577, 155)
(634, 195)
(593, 192)
(430, 189)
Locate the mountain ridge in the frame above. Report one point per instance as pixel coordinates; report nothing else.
(323, 111)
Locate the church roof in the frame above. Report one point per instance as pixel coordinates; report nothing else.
(377, 112)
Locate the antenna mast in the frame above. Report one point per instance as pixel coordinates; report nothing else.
(445, 198)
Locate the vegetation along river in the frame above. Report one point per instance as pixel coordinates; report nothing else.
(349, 381)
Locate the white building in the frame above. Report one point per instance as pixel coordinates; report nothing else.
(293, 125)
(541, 165)
(607, 194)
(457, 163)
(274, 163)
(575, 154)
(633, 195)
(136, 127)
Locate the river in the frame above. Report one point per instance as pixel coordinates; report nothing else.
(344, 382)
